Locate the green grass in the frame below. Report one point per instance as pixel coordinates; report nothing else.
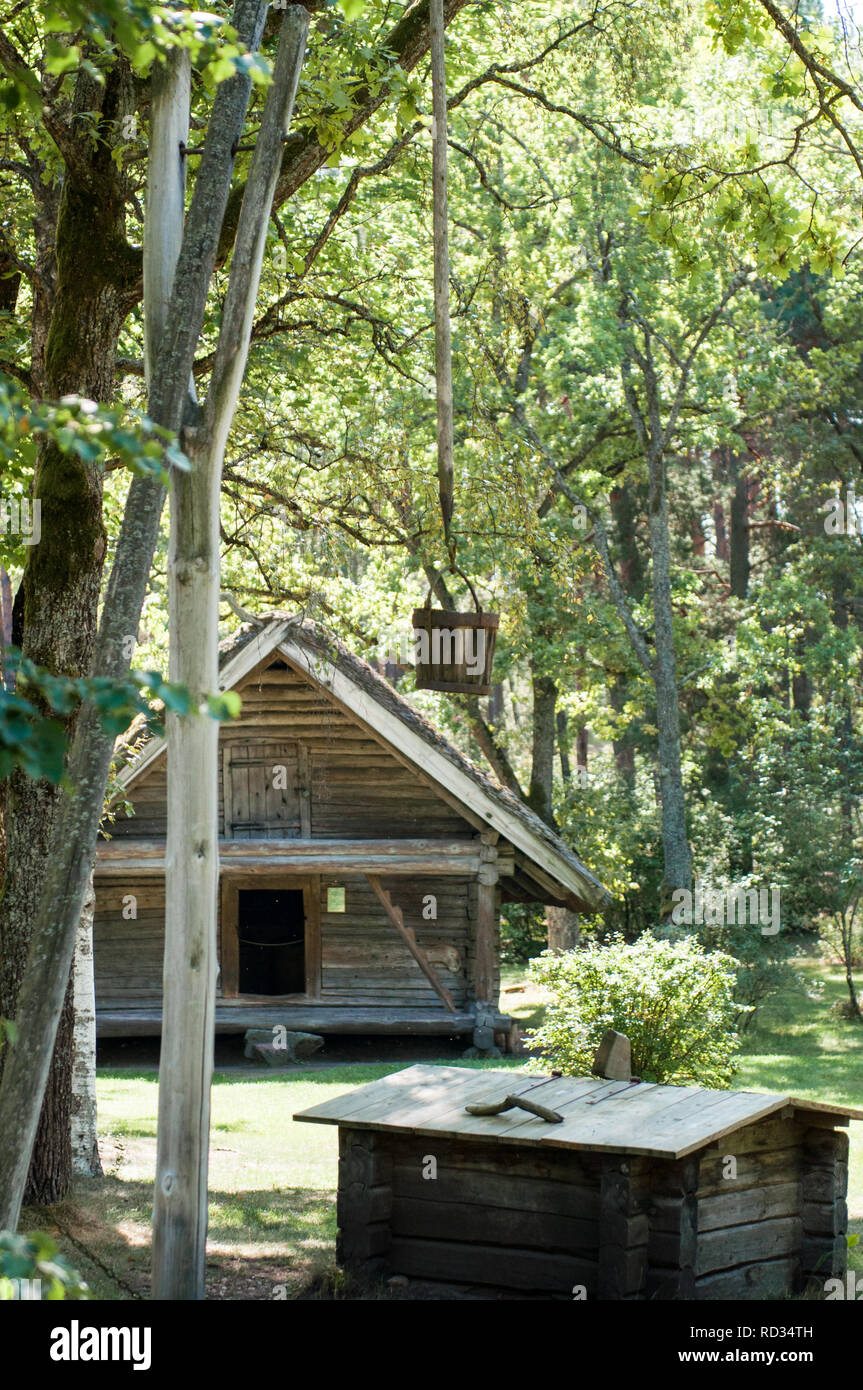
(799, 1047)
(272, 1181)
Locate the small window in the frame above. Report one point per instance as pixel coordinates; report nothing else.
(261, 791)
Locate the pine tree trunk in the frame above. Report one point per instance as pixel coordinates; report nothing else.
(564, 933)
(542, 763)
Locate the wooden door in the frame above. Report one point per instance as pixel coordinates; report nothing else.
(229, 940)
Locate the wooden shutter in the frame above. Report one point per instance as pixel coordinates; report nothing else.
(256, 808)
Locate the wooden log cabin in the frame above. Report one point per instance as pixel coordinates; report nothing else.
(363, 860)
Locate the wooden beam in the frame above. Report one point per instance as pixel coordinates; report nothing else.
(457, 858)
(396, 916)
(236, 1015)
(466, 850)
(486, 958)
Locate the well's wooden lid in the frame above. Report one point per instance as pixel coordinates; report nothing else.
(603, 1116)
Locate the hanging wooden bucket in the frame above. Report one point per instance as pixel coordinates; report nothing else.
(454, 651)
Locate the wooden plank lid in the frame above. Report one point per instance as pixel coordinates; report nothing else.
(603, 1116)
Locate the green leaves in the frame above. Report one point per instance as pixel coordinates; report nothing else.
(32, 731)
(32, 1268)
(145, 33)
(60, 57)
(225, 706)
(91, 432)
(736, 22)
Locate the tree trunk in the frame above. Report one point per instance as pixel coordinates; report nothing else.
(542, 763)
(56, 605)
(739, 563)
(563, 748)
(675, 844)
(627, 509)
(564, 933)
(84, 1131)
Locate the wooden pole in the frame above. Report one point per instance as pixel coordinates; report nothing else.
(192, 854)
(486, 968)
(440, 223)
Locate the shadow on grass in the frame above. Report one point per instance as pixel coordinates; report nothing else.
(264, 1244)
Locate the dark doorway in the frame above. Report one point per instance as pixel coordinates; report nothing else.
(271, 928)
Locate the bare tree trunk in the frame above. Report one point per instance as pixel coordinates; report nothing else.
(563, 748)
(84, 1131)
(675, 842)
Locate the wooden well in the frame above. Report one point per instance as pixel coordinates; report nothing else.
(639, 1192)
(455, 651)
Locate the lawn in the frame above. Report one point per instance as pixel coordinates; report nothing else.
(272, 1182)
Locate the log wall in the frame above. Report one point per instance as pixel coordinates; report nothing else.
(616, 1225)
(363, 960)
(342, 783)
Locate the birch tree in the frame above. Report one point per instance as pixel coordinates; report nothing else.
(84, 1134)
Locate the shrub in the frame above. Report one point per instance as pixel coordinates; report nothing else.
(673, 999)
(30, 1267)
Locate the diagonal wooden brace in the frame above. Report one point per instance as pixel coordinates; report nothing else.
(396, 916)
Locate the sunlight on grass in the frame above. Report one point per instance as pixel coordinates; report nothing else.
(273, 1180)
(798, 1046)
